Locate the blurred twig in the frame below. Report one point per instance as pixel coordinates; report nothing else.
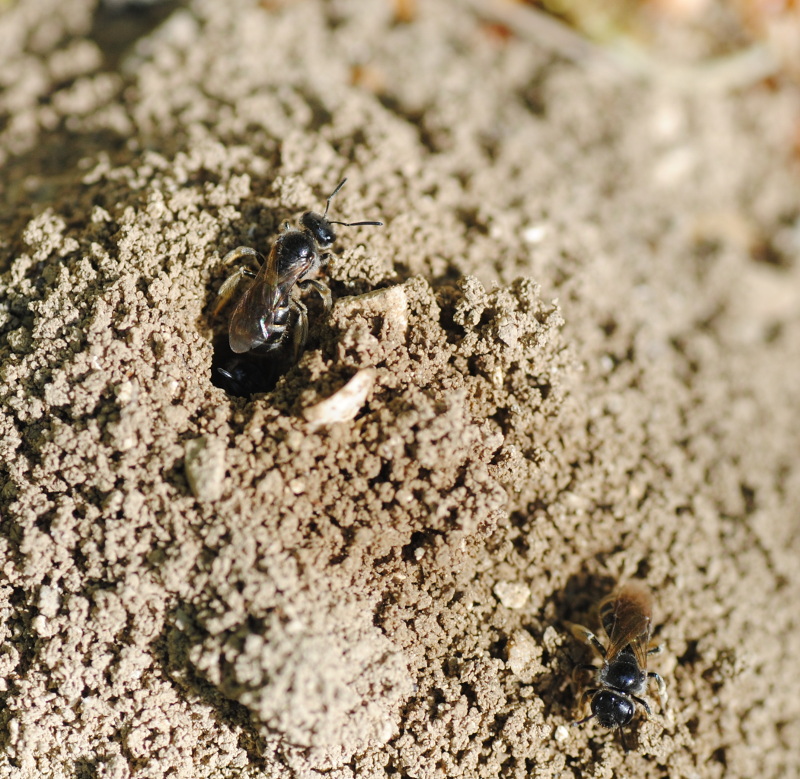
(734, 71)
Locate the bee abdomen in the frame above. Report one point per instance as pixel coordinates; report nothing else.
(276, 330)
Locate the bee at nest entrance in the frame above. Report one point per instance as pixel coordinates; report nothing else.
(258, 371)
(268, 325)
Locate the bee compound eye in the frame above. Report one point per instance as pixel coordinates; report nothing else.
(611, 709)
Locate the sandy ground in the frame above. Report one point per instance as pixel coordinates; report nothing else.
(579, 330)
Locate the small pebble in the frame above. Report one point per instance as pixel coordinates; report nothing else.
(204, 463)
(345, 403)
(513, 595)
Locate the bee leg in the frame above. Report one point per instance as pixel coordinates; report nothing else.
(655, 649)
(582, 669)
(300, 334)
(228, 288)
(585, 695)
(663, 696)
(323, 290)
(643, 703)
(587, 637)
(244, 251)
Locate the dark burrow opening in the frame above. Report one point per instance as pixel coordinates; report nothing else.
(243, 375)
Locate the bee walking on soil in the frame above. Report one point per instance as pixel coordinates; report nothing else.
(271, 304)
(622, 680)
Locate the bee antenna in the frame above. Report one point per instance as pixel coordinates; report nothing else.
(355, 224)
(331, 197)
(622, 738)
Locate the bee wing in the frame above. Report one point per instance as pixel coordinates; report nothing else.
(256, 308)
(627, 617)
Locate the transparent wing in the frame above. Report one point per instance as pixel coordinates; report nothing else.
(627, 617)
(252, 318)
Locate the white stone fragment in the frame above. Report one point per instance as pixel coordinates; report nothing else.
(204, 463)
(523, 655)
(390, 304)
(534, 234)
(49, 601)
(127, 392)
(345, 403)
(513, 595)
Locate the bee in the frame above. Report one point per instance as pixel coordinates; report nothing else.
(263, 314)
(621, 681)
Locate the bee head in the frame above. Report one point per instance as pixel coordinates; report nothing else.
(611, 709)
(320, 229)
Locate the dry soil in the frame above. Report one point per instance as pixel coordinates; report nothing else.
(578, 333)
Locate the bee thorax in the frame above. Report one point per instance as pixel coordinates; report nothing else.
(296, 255)
(624, 674)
